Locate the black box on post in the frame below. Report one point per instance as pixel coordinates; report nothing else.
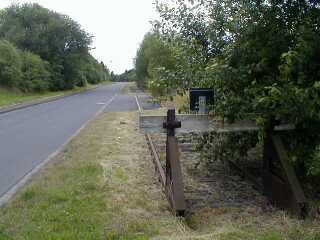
(201, 99)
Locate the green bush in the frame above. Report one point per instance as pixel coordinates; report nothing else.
(57, 49)
(154, 58)
(260, 57)
(36, 75)
(10, 64)
(95, 72)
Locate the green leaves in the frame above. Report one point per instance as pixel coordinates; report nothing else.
(261, 57)
(53, 50)
(155, 58)
(36, 73)
(10, 64)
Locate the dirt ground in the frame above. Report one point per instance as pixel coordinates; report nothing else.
(223, 205)
(103, 186)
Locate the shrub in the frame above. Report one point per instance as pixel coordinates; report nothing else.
(10, 64)
(36, 75)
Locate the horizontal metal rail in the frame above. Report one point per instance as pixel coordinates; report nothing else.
(156, 161)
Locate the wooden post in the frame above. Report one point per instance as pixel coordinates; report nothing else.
(280, 183)
(174, 179)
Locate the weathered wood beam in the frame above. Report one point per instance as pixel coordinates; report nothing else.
(284, 191)
(174, 179)
(201, 123)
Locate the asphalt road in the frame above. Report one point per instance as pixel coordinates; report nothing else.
(29, 136)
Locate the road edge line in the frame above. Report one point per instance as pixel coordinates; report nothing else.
(7, 196)
(138, 104)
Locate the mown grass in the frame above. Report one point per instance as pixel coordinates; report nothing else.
(100, 187)
(103, 187)
(66, 201)
(10, 97)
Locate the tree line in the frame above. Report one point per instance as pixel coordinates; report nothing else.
(126, 76)
(260, 57)
(42, 50)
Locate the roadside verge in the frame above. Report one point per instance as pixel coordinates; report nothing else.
(4, 199)
(31, 103)
(101, 186)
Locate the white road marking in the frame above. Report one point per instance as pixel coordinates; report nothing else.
(139, 107)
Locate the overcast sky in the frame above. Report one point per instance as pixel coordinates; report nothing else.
(118, 25)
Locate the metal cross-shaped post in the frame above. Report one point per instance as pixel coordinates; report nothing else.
(174, 182)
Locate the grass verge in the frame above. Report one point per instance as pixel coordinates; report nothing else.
(103, 187)
(10, 97)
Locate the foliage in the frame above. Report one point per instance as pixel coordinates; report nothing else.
(36, 74)
(10, 64)
(95, 72)
(261, 57)
(126, 76)
(54, 43)
(226, 146)
(154, 59)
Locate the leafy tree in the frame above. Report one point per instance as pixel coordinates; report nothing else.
(154, 59)
(10, 64)
(36, 74)
(95, 72)
(57, 39)
(128, 76)
(261, 57)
